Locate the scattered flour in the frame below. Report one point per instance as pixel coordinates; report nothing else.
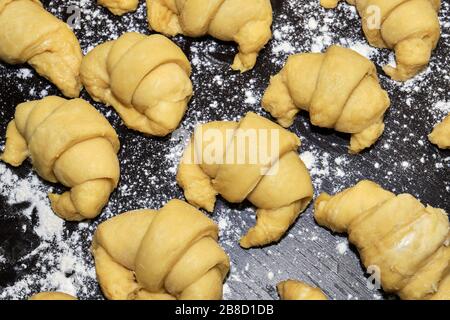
(31, 190)
(60, 261)
(62, 258)
(342, 247)
(441, 108)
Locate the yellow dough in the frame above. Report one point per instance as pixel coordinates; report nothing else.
(407, 241)
(28, 33)
(160, 255)
(119, 7)
(410, 27)
(144, 78)
(441, 134)
(280, 190)
(339, 89)
(52, 296)
(297, 290)
(246, 22)
(69, 142)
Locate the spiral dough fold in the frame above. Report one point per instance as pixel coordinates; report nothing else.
(30, 34)
(279, 185)
(144, 78)
(246, 22)
(339, 89)
(69, 142)
(160, 255)
(406, 243)
(410, 27)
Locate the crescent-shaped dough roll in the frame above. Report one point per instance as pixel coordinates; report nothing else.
(410, 27)
(297, 290)
(160, 255)
(30, 34)
(441, 134)
(246, 22)
(339, 89)
(119, 7)
(52, 296)
(144, 78)
(68, 142)
(406, 241)
(254, 159)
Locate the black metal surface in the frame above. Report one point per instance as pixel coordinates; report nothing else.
(148, 179)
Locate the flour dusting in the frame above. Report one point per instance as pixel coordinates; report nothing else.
(50, 254)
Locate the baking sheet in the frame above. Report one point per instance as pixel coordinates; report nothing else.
(38, 251)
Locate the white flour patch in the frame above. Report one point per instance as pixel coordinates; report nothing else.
(61, 261)
(440, 110)
(31, 190)
(60, 258)
(342, 247)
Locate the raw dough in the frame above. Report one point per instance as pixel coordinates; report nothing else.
(406, 241)
(410, 27)
(246, 22)
(441, 134)
(160, 255)
(28, 33)
(145, 79)
(297, 290)
(339, 89)
(280, 190)
(119, 7)
(52, 296)
(69, 142)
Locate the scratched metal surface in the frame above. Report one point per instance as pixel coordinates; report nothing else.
(309, 253)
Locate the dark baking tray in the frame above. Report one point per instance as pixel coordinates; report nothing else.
(402, 161)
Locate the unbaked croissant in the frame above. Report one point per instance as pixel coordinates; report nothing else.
(410, 27)
(408, 242)
(52, 296)
(339, 89)
(297, 290)
(28, 33)
(219, 160)
(119, 7)
(69, 142)
(160, 255)
(145, 79)
(441, 134)
(246, 22)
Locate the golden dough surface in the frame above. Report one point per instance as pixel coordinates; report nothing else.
(70, 142)
(222, 158)
(339, 88)
(440, 135)
(144, 78)
(30, 34)
(52, 296)
(297, 290)
(406, 241)
(119, 7)
(409, 27)
(246, 22)
(167, 254)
